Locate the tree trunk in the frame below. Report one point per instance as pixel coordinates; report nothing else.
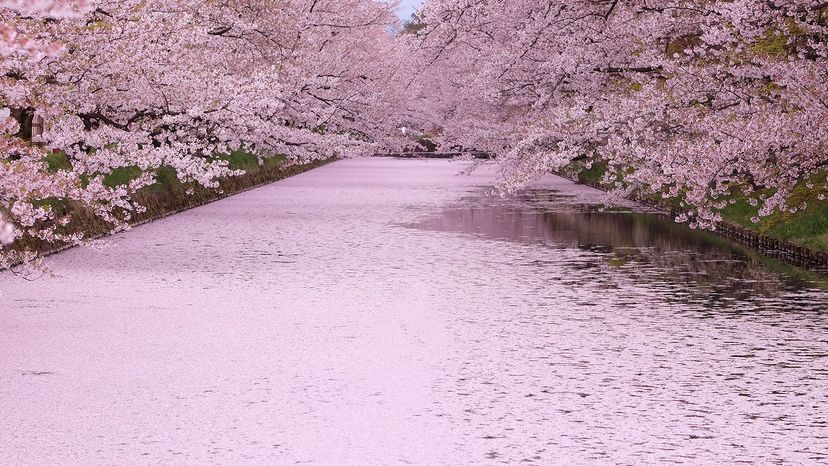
(24, 117)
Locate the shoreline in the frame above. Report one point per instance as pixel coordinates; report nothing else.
(768, 246)
(167, 206)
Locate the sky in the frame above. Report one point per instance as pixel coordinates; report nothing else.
(407, 7)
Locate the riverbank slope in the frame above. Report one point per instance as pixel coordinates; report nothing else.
(166, 197)
(800, 238)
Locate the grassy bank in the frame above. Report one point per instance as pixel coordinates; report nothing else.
(807, 227)
(166, 196)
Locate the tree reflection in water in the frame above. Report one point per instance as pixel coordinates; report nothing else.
(696, 267)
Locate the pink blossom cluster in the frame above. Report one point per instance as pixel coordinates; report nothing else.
(13, 41)
(696, 99)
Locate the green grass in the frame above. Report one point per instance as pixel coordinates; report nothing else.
(242, 160)
(121, 176)
(57, 206)
(594, 175)
(166, 179)
(57, 161)
(807, 227)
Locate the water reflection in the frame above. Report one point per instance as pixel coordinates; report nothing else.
(639, 340)
(698, 266)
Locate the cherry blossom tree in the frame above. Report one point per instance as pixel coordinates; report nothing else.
(700, 100)
(174, 83)
(692, 99)
(20, 178)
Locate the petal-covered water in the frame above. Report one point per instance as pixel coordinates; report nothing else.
(389, 311)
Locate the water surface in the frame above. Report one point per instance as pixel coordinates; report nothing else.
(389, 311)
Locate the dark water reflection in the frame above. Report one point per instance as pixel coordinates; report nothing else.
(688, 266)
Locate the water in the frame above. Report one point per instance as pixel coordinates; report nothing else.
(389, 311)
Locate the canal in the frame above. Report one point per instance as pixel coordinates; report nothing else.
(381, 311)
